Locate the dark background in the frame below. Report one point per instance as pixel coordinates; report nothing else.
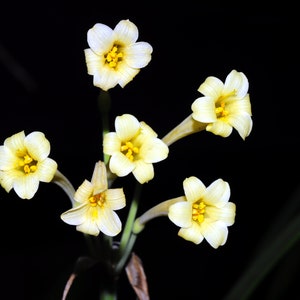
(45, 87)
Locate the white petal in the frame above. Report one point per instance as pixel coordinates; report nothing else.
(125, 73)
(242, 123)
(138, 55)
(37, 145)
(94, 62)
(192, 234)
(119, 164)
(215, 233)
(211, 87)
(84, 192)
(111, 143)
(180, 214)
(127, 32)
(220, 128)
(100, 38)
(225, 213)
(7, 178)
(109, 222)
(76, 215)
(236, 81)
(16, 142)
(46, 169)
(99, 178)
(217, 194)
(154, 150)
(143, 172)
(126, 126)
(26, 186)
(8, 159)
(204, 110)
(193, 189)
(106, 78)
(115, 198)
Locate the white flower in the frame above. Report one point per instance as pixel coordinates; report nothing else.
(134, 147)
(94, 206)
(24, 162)
(204, 212)
(224, 105)
(115, 56)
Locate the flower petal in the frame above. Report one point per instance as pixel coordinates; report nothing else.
(126, 73)
(242, 123)
(84, 192)
(220, 128)
(37, 145)
(193, 189)
(115, 198)
(99, 178)
(75, 215)
(215, 233)
(211, 87)
(111, 143)
(109, 222)
(119, 164)
(204, 110)
(143, 172)
(26, 186)
(236, 81)
(100, 38)
(16, 142)
(225, 214)
(138, 55)
(127, 32)
(192, 234)
(180, 214)
(46, 169)
(154, 150)
(126, 126)
(217, 194)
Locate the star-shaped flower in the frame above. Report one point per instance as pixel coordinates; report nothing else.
(134, 147)
(24, 162)
(224, 105)
(204, 212)
(115, 56)
(95, 205)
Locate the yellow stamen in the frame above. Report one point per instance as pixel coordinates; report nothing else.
(98, 199)
(114, 56)
(129, 150)
(221, 112)
(198, 211)
(27, 163)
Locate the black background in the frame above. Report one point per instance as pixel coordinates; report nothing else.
(45, 87)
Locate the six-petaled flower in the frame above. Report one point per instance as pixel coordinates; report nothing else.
(204, 212)
(95, 205)
(134, 147)
(115, 56)
(24, 162)
(224, 105)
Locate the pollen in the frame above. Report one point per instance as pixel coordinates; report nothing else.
(198, 211)
(98, 199)
(28, 164)
(221, 112)
(114, 56)
(129, 150)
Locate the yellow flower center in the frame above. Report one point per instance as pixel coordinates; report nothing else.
(98, 199)
(129, 150)
(27, 163)
(114, 56)
(221, 112)
(198, 211)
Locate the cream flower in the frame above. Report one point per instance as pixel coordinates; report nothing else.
(114, 56)
(224, 105)
(204, 212)
(134, 147)
(24, 163)
(94, 206)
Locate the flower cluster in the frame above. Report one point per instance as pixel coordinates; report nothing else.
(115, 57)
